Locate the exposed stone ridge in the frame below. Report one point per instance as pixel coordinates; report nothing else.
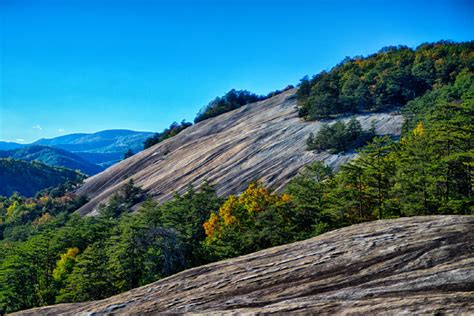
(264, 140)
(417, 265)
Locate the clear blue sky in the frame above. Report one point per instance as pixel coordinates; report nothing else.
(84, 66)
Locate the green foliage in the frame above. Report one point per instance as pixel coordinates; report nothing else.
(89, 279)
(122, 201)
(171, 131)
(140, 253)
(232, 100)
(307, 191)
(27, 178)
(65, 264)
(340, 136)
(428, 172)
(48, 255)
(75, 259)
(391, 77)
(186, 214)
(129, 153)
(256, 219)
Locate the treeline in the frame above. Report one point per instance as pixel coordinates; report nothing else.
(232, 100)
(171, 131)
(50, 255)
(391, 77)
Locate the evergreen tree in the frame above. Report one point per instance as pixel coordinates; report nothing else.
(129, 153)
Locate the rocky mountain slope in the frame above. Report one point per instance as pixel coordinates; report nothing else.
(417, 265)
(53, 157)
(264, 140)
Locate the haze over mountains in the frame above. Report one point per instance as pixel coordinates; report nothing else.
(52, 156)
(28, 168)
(89, 153)
(103, 148)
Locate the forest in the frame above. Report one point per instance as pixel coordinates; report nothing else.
(49, 254)
(28, 178)
(389, 78)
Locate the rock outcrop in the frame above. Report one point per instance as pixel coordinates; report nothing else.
(410, 266)
(263, 141)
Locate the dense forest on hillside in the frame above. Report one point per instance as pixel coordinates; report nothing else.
(27, 178)
(389, 78)
(50, 255)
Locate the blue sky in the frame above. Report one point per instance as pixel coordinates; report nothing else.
(84, 66)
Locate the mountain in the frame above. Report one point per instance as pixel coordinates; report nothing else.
(52, 156)
(103, 148)
(264, 140)
(9, 145)
(27, 178)
(417, 265)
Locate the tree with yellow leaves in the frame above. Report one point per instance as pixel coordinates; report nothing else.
(65, 264)
(254, 220)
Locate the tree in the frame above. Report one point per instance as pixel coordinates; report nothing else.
(173, 130)
(230, 101)
(89, 279)
(129, 153)
(308, 191)
(339, 136)
(140, 253)
(239, 227)
(65, 265)
(186, 214)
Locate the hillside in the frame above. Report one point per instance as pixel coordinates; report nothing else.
(264, 140)
(53, 157)
(103, 148)
(27, 178)
(418, 265)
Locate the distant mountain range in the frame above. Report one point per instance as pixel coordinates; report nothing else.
(10, 145)
(52, 156)
(103, 148)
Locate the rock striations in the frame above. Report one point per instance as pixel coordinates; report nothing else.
(410, 266)
(263, 141)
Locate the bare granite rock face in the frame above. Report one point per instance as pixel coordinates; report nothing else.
(409, 266)
(263, 141)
